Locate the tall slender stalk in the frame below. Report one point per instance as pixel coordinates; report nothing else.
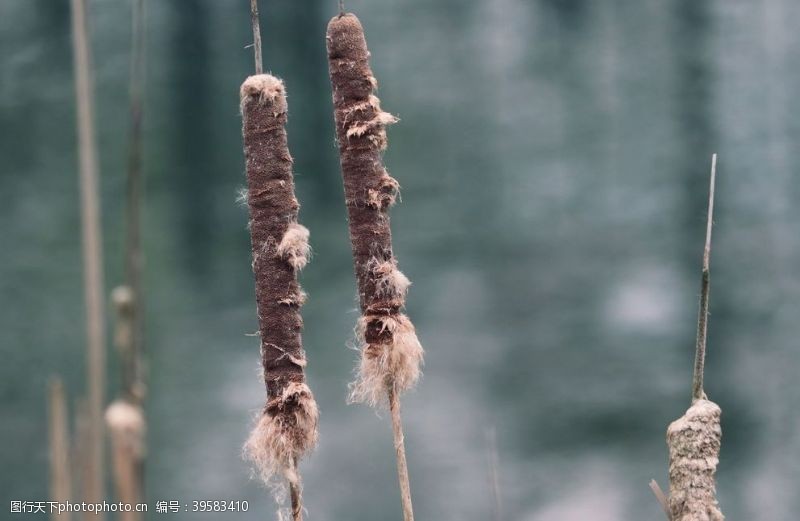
(287, 428)
(702, 313)
(92, 254)
(694, 440)
(133, 376)
(60, 472)
(391, 353)
(256, 26)
(125, 416)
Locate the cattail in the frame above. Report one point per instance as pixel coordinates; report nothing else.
(391, 354)
(694, 439)
(694, 443)
(287, 429)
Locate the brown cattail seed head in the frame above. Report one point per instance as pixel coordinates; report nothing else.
(287, 428)
(391, 354)
(694, 444)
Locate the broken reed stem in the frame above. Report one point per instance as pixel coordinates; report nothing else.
(92, 254)
(702, 315)
(391, 354)
(287, 429)
(694, 440)
(259, 62)
(60, 471)
(660, 497)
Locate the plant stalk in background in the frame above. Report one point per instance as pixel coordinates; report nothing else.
(60, 472)
(93, 486)
(391, 354)
(125, 416)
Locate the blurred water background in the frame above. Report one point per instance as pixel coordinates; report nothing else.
(554, 157)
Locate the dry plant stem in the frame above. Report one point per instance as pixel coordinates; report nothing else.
(702, 317)
(60, 472)
(259, 62)
(296, 498)
(287, 429)
(133, 371)
(400, 452)
(660, 497)
(92, 255)
(125, 416)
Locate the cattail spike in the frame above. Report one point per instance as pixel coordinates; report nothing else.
(694, 443)
(287, 428)
(391, 354)
(694, 439)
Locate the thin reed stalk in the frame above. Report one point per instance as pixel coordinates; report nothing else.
(133, 374)
(92, 255)
(287, 428)
(60, 471)
(125, 416)
(391, 354)
(694, 440)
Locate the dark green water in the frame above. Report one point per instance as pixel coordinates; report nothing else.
(554, 159)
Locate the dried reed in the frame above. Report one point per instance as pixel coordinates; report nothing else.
(391, 354)
(93, 486)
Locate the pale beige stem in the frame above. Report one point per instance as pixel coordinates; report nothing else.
(661, 498)
(60, 472)
(92, 256)
(400, 451)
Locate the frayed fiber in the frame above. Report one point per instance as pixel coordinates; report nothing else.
(384, 365)
(285, 433)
